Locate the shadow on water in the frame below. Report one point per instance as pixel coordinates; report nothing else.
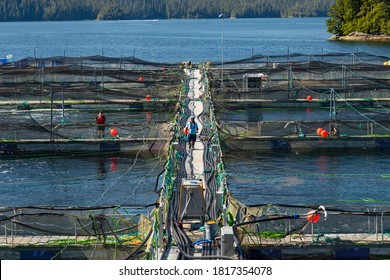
(102, 172)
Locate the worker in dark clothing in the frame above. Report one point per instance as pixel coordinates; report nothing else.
(192, 130)
(101, 124)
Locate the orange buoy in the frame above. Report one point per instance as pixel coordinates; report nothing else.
(324, 133)
(319, 130)
(114, 132)
(148, 97)
(309, 98)
(313, 217)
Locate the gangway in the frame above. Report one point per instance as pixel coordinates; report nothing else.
(190, 221)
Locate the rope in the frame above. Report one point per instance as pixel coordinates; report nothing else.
(364, 116)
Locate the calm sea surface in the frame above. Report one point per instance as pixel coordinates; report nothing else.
(93, 180)
(317, 178)
(175, 40)
(326, 178)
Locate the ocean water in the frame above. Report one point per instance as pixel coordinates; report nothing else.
(89, 180)
(176, 40)
(346, 177)
(329, 178)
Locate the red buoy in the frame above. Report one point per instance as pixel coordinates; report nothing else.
(114, 132)
(148, 97)
(309, 98)
(100, 119)
(141, 79)
(319, 130)
(313, 217)
(324, 134)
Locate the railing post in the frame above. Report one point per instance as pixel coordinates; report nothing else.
(12, 232)
(382, 226)
(312, 230)
(75, 230)
(5, 233)
(376, 227)
(260, 125)
(12, 228)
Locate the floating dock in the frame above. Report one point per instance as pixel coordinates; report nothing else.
(69, 146)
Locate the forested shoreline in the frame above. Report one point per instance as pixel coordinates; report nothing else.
(359, 16)
(56, 10)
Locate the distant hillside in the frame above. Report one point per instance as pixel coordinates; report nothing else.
(41, 10)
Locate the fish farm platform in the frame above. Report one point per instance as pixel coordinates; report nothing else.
(25, 146)
(196, 216)
(287, 143)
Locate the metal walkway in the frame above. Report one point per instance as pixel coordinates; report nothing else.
(197, 190)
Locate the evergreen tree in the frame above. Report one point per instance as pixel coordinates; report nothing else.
(369, 16)
(23, 10)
